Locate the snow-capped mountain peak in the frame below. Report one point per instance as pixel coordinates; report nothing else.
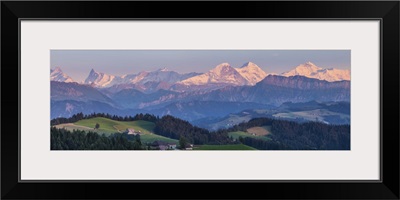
(221, 69)
(310, 65)
(252, 73)
(92, 71)
(93, 75)
(99, 79)
(56, 70)
(305, 69)
(143, 79)
(58, 75)
(222, 65)
(221, 74)
(164, 69)
(248, 64)
(310, 70)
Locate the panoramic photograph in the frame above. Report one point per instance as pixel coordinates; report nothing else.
(194, 100)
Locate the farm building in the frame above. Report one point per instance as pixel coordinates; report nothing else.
(189, 147)
(163, 145)
(131, 131)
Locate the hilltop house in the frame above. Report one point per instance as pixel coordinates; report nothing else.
(131, 131)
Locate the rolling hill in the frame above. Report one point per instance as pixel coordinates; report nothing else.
(109, 126)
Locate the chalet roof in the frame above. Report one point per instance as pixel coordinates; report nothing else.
(188, 145)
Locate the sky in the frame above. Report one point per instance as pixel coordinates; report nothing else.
(78, 63)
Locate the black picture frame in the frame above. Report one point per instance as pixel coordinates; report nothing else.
(386, 11)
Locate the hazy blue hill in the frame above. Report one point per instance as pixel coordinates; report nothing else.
(132, 98)
(327, 112)
(66, 108)
(275, 90)
(301, 106)
(73, 91)
(303, 92)
(340, 107)
(303, 83)
(194, 110)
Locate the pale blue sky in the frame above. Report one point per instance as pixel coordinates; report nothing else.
(78, 63)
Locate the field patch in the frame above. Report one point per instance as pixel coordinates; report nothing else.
(259, 131)
(111, 126)
(144, 127)
(224, 147)
(71, 127)
(243, 134)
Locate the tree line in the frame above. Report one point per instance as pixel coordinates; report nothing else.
(62, 139)
(79, 116)
(176, 128)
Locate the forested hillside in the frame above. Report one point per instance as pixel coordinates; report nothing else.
(276, 134)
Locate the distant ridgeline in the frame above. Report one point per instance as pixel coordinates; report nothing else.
(259, 133)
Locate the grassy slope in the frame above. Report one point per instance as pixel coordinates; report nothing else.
(148, 138)
(112, 126)
(109, 126)
(71, 127)
(225, 147)
(260, 131)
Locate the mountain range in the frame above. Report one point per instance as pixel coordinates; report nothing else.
(220, 76)
(140, 80)
(193, 96)
(248, 74)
